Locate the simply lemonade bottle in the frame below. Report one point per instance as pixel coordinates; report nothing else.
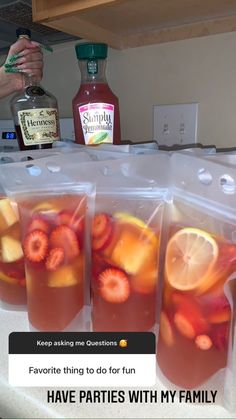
(95, 107)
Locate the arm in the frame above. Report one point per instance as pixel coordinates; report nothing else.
(30, 61)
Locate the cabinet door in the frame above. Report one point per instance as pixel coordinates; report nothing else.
(132, 23)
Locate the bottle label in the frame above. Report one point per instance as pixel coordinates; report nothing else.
(39, 126)
(92, 66)
(97, 120)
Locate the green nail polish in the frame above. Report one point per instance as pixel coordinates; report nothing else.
(13, 58)
(46, 47)
(12, 70)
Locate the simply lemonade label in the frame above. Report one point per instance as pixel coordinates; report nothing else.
(82, 359)
(97, 120)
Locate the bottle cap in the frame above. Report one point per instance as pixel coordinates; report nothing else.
(88, 51)
(23, 32)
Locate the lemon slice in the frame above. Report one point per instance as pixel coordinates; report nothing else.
(146, 231)
(125, 216)
(191, 255)
(8, 279)
(45, 207)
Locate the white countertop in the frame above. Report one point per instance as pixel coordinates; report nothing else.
(26, 403)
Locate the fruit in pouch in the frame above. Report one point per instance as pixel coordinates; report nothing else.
(195, 341)
(54, 215)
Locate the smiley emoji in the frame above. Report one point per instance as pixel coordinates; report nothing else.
(123, 343)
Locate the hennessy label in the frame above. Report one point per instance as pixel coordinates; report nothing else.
(39, 126)
(97, 120)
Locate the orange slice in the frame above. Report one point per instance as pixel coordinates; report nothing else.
(145, 231)
(68, 275)
(191, 256)
(166, 330)
(146, 279)
(8, 279)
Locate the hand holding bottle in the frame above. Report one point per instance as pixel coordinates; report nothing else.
(34, 110)
(24, 56)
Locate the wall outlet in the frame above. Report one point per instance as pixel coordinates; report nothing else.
(175, 124)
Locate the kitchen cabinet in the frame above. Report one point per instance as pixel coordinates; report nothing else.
(132, 23)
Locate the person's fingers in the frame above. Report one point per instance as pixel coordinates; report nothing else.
(30, 65)
(28, 51)
(27, 57)
(34, 43)
(33, 56)
(20, 45)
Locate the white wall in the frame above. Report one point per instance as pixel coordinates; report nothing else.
(199, 70)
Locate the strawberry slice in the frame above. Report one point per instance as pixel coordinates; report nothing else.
(218, 310)
(16, 270)
(38, 223)
(220, 336)
(188, 317)
(203, 342)
(64, 237)
(227, 257)
(102, 242)
(77, 224)
(63, 217)
(67, 218)
(100, 224)
(22, 282)
(35, 246)
(114, 286)
(55, 258)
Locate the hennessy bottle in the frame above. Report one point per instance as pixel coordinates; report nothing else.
(35, 112)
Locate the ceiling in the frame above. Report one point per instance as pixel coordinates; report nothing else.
(18, 13)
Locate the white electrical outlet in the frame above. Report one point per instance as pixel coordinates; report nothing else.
(175, 124)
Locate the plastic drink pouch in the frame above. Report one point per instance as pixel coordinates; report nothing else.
(124, 148)
(225, 158)
(130, 196)
(195, 341)
(125, 256)
(97, 154)
(126, 234)
(54, 219)
(19, 156)
(112, 173)
(146, 170)
(12, 271)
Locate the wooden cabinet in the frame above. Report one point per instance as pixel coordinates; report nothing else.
(132, 23)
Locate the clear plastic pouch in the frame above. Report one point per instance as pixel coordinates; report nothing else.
(197, 320)
(129, 207)
(125, 258)
(12, 272)
(130, 197)
(226, 158)
(21, 166)
(55, 214)
(19, 156)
